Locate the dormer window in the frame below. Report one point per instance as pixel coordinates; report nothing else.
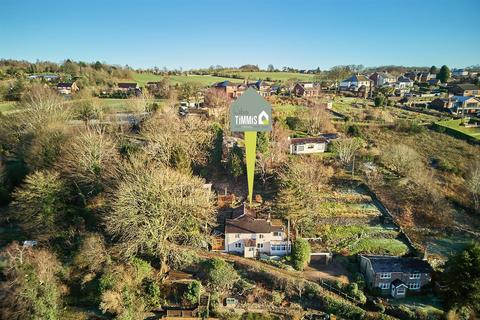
(385, 275)
(415, 275)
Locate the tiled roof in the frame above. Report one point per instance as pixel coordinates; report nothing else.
(308, 140)
(399, 264)
(247, 224)
(244, 221)
(64, 85)
(127, 85)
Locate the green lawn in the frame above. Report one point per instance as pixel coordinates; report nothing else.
(7, 105)
(286, 110)
(120, 105)
(272, 76)
(206, 80)
(455, 125)
(427, 303)
(203, 80)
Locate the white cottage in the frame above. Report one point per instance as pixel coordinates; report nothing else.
(250, 236)
(308, 145)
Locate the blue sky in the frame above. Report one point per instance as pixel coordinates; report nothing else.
(200, 33)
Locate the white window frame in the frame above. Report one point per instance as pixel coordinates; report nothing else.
(261, 236)
(237, 236)
(238, 245)
(260, 245)
(384, 285)
(277, 233)
(415, 275)
(385, 275)
(414, 286)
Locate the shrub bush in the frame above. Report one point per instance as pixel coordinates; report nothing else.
(300, 254)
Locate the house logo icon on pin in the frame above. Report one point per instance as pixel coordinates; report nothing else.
(263, 118)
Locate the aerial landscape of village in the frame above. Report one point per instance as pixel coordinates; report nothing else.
(276, 160)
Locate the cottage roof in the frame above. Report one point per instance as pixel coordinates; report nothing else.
(399, 264)
(127, 85)
(248, 224)
(357, 78)
(308, 140)
(404, 79)
(64, 85)
(223, 84)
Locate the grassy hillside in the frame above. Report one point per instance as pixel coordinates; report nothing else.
(272, 76)
(206, 80)
(7, 105)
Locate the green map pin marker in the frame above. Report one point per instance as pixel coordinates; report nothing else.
(251, 154)
(250, 114)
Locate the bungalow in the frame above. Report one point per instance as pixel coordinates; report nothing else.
(382, 78)
(395, 275)
(457, 105)
(355, 83)
(247, 235)
(67, 87)
(306, 90)
(308, 145)
(127, 87)
(465, 89)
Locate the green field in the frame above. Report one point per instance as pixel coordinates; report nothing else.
(206, 80)
(203, 80)
(7, 105)
(271, 76)
(455, 126)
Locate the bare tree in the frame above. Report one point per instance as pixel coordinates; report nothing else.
(402, 159)
(346, 149)
(40, 203)
(90, 160)
(317, 120)
(473, 185)
(192, 140)
(301, 184)
(155, 207)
